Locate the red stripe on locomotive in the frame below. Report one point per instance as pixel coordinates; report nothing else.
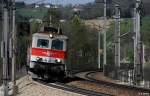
(49, 53)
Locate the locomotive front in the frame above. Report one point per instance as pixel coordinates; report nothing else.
(48, 55)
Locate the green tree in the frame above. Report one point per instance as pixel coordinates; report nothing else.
(35, 26)
(82, 46)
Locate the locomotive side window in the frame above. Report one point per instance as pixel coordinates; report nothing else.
(43, 43)
(57, 45)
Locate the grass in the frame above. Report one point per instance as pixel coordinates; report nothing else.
(32, 12)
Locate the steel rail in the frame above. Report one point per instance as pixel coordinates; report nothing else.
(102, 82)
(73, 89)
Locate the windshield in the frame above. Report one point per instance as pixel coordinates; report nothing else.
(57, 45)
(43, 43)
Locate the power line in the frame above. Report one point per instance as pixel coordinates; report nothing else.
(40, 1)
(32, 2)
(114, 3)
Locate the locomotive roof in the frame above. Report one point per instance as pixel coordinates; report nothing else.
(46, 34)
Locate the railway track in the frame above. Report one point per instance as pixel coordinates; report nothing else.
(116, 89)
(72, 89)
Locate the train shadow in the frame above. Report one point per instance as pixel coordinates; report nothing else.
(64, 80)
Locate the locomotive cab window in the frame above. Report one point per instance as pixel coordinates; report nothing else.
(42, 43)
(57, 45)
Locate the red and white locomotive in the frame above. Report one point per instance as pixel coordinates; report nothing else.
(47, 54)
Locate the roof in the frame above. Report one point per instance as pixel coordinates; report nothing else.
(46, 35)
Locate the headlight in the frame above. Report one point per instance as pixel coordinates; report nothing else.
(51, 35)
(58, 61)
(38, 59)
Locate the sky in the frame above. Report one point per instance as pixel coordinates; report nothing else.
(64, 2)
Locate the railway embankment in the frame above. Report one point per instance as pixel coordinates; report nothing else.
(28, 87)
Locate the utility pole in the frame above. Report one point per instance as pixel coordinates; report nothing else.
(135, 40)
(50, 20)
(117, 40)
(15, 88)
(4, 47)
(104, 38)
(138, 70)
(99, 48)
(143, 54)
